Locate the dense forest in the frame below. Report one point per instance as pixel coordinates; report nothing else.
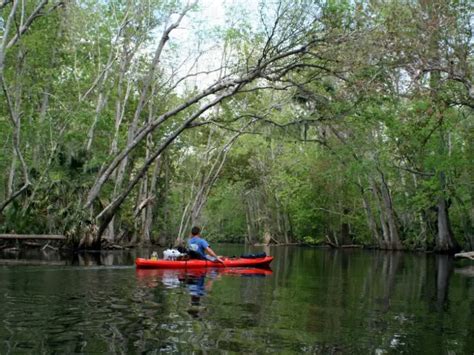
(319, 122)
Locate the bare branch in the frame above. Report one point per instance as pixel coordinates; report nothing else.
(11, 114)
(143, 204)
(3, 46)
(413, 171)
(111, 60)
(266, 47)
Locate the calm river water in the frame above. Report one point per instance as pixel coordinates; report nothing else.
(313, 301)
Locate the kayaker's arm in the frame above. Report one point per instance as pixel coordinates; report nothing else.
(211, 253)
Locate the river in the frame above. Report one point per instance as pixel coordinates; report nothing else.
(312, 301)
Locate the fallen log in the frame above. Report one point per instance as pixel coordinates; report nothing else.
(33, 236)
(469, 255)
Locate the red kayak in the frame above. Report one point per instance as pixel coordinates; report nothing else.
(195, 263)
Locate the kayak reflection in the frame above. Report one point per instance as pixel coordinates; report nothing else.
(173, 278)
(197, 281)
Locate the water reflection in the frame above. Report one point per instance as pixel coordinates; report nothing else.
(316, 301)
(173, 278)
(467, 271)
(198, 282)
(444, 269)
(67, 258)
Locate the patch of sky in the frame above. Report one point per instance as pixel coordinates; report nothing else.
(195, 53)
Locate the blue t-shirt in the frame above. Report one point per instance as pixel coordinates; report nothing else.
(198, 245)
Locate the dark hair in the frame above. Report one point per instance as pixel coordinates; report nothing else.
(195, 230)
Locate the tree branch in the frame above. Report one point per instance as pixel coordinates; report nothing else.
(35, 14)
(14, 196)
(219, 86)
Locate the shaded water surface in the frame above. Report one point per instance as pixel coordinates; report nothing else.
(314, 301)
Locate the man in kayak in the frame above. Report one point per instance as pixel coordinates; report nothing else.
(199, 248)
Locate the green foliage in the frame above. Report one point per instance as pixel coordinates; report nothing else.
(381, 99)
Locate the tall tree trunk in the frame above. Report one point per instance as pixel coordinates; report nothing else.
(207, 177)
(132, 140)
(13, 100)
(164, 233)
(148, 187)
(370, 218)
(445, 241)
(149, 209)
(102, 78)
(284, 220)
(422, 220)
(148, 198)
(11, 175)
(248, 220)
(41, 118)
(394, 242)
(267, 235)
(140, 214)
(345, 237)
(101, 101)
(384, 242)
